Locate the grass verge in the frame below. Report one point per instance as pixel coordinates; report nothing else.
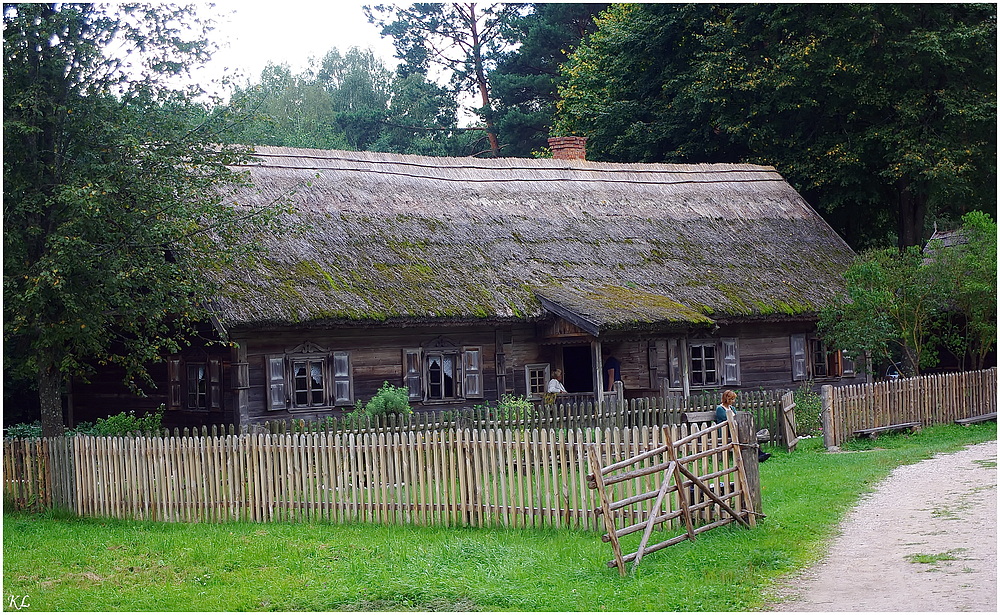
(63, 563)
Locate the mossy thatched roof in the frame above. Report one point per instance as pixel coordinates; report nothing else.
(388, 237)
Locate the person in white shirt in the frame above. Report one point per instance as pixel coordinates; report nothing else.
(555, 386)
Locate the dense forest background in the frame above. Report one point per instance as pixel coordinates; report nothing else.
(882, 115)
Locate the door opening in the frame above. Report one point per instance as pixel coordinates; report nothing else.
(578, 368)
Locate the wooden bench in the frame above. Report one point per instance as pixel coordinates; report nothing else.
(709, 417)
(872, 432)
(981, 418)
(698, 417)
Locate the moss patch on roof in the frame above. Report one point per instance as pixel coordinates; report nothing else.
(632, 305)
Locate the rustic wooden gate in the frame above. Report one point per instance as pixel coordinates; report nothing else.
(704, 477)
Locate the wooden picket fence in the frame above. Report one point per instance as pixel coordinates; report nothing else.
(929, 400)
(451, 477)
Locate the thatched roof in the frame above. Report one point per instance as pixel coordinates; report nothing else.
(617, 246)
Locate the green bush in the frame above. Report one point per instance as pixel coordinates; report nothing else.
(126, 423)
(808, 408)
(389, 400)
(509, 408)
(121, 424)
(24, 430)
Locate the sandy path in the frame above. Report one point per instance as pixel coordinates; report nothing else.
(925, 540)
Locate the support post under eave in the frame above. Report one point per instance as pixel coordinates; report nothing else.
(685, 373)
(595, 348)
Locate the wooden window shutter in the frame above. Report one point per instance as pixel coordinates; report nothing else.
(675, 357)
(277, 397)
(342, 378)
(473, 371)
(730, 361)
(174, 383)
(413, 373)
(799, 357)
(834, 366)
(214, 384)
(847, 363)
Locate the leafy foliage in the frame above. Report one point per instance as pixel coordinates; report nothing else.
(525, 79)
(126, 423)
(891, 304)
(968, 273)
(121, 424)
(348, 102)
(390, 400)
(113, 191)
(914, 303)
(883, 110)
(509, 408)
(808, 410)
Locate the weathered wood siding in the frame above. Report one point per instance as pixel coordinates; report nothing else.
(376, 357)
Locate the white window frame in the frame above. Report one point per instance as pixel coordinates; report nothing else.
(546, 371)
(703, 344)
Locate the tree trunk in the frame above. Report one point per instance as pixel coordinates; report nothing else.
(911, 211)
(50, 398)
(482, 83)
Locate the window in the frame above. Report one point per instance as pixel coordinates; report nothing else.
(707, 363)
(308, 377)
(309, 381)
(537, 377)
(812, 359)
(443, 373)
(197, 387)
(703, 367)
(194, 385)
(441, 381)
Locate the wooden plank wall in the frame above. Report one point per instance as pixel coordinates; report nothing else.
(932, 400)
(451, 477)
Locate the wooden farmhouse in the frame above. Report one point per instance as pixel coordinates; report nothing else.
(463, 279)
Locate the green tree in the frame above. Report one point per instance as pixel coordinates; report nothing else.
(462, 39)
(883, 115)
(968, 273)
(891, 305)
(285, 110)
(525, 80)
(113, 191)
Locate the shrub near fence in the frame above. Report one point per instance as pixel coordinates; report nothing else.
(464, 477)
(931, 400)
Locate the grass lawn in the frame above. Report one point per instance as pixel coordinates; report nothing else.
(63, 563)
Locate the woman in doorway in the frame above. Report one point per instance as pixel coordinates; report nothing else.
(728, 397)
(556, 385)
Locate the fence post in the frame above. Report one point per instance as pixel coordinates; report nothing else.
(826, 394)
(746, 438)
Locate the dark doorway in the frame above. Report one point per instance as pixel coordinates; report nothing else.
(578, 365)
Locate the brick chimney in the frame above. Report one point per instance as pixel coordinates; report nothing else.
(568, 148)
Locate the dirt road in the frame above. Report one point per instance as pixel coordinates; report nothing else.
(926, 540)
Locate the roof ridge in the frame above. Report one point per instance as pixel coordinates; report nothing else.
(444, 162)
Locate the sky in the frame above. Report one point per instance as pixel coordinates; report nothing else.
(252, 33)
